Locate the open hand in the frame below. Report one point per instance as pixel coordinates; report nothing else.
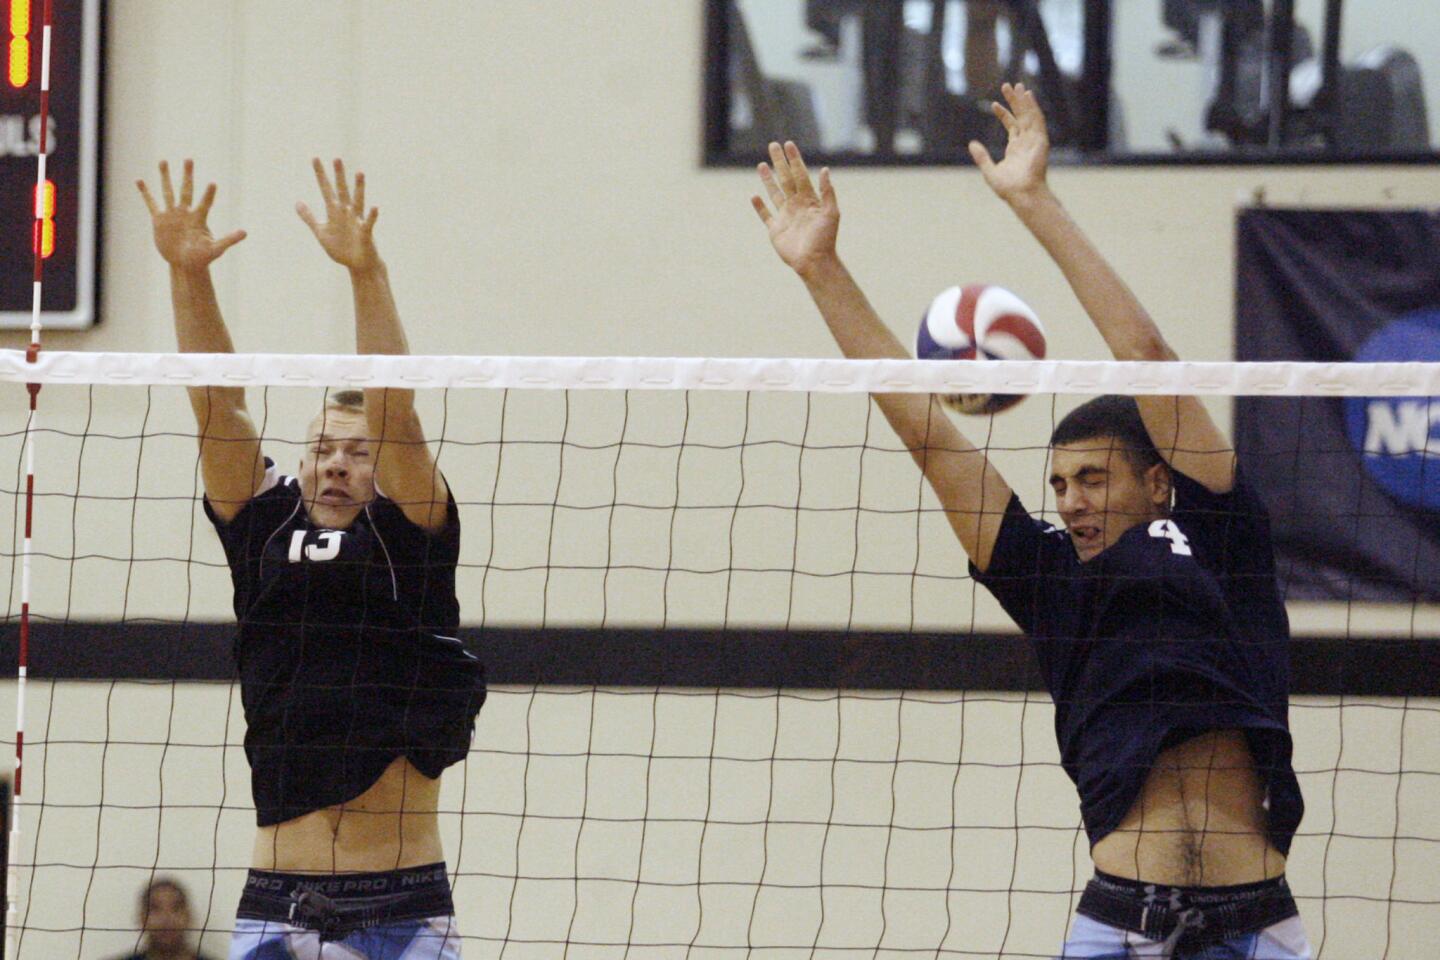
(804, 223)
(181, 234)
(347, 235)
(1027, 154)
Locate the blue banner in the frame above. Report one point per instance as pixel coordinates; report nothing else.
(1353, 484)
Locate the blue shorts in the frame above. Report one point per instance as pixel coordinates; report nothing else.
(394, 915)
(1093, 940)
(432, 939)
(1120, 919)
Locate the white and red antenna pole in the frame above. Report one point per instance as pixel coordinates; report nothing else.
(42, 201)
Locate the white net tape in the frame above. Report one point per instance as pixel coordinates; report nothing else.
(709, 373)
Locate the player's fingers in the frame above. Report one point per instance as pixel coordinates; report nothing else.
(1037, 118)
(166, 190)
(359, 191)
(827, 191)
(326, 194)
(342, 187)
(206, 200)
(767, 179)
(798, 169)
(1029, 113)
(982, 158)
(369, 225)
(1012, 127)
(761, 209)
(304, 210)
(145, 195)
(187, 182)
(228, 241)
(780, 167)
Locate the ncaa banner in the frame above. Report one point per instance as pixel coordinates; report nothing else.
(1352, 484)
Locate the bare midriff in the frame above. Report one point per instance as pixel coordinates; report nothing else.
(1199, 820)
(391, 826)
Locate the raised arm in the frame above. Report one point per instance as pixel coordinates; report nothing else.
(404, 469)
(1180, 427)
(230, 462)
(803, 225)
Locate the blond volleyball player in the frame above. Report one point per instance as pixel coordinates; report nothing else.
(356, 693)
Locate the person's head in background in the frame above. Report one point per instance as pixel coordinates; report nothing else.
(164, 914)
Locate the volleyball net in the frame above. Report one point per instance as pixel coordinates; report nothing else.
(746, 699)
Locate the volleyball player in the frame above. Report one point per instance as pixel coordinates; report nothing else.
(1154, 614)
(356, 693)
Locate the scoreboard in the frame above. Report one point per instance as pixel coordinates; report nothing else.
(69, 233)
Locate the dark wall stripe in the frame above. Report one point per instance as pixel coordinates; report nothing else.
(162, 650)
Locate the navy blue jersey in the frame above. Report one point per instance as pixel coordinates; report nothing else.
(346, 649)
(1175, 629)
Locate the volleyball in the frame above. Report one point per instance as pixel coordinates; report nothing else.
(979, 321)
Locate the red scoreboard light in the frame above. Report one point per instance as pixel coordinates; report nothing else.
(67, 232)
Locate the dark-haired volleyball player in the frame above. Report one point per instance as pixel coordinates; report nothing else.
(356, 693)
(1154, 614)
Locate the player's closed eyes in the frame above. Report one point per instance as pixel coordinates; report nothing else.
(1091, 483)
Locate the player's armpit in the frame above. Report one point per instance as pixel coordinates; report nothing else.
(1190, 441)
(404, 469)
(230, 462)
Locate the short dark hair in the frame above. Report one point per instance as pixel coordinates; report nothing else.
(162, 883)
(1110, 416)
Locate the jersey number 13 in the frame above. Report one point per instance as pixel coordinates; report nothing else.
(327, 546)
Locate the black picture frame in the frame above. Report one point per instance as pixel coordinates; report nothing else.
(1081, 112)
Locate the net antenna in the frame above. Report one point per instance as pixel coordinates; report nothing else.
(32, 355)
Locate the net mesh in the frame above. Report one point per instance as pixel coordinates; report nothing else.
(844, 782)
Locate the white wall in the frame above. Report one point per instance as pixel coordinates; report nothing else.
(536, 166)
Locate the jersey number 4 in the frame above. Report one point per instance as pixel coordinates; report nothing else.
(1166, 530)
(328, 547)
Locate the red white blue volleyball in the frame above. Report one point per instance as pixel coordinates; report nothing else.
(979, 321)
